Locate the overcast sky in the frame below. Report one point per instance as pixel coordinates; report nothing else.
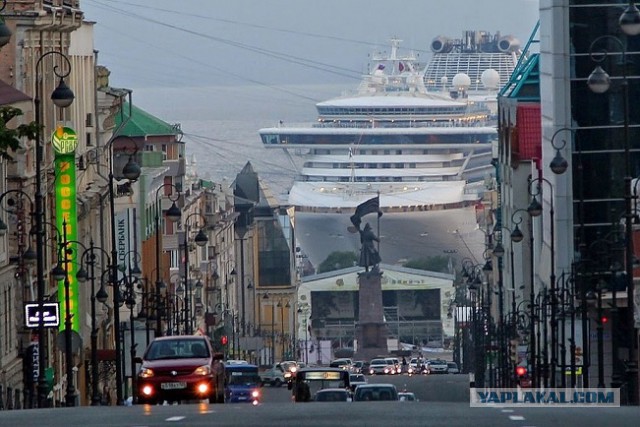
(178, 43)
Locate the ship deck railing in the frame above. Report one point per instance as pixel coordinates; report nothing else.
(404, 124)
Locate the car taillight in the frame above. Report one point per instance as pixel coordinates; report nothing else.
(147, 390)
(202, 370)
(146, 373)
(203, 388)
(255, 394)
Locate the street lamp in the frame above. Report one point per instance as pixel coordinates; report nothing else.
(535, 209)
(599, 82)
(282, 307)
(201, 239)
(5, 32)
(304, 309)
(173, 214)
(89, 258)
(273, 328)
(125, 287)
(61, 272)
(131, 171)
(517, 237)
(62, 97)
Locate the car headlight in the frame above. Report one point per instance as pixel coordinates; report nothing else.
(293, 370)
(202, 370)
(145, 373)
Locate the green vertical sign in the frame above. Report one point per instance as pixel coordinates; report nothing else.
(65, 141)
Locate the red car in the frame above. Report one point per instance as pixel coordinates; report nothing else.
(177, 368)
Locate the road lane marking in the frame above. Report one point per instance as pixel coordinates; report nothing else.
(176, 418)
(516, 417)
(506, 411)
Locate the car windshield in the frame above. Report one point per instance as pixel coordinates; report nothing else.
(243, 378)
(378, 362)
(364, 393)
(178, 348)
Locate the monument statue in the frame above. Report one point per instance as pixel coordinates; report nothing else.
(369, 256)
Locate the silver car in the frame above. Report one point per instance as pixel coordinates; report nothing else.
(438, 366)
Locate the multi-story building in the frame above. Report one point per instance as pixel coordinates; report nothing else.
(581, 290)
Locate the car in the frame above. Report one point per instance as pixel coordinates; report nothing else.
(396, 363)
(242, 383)
(453, 368)
(360, 366)
(407, 396)
(438, 366)
(346, 364)
(332, 395)
(357, 379)
(380, 367)
(177, 368)
(375, 392)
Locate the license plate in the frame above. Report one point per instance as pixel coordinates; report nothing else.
(242, 398)
(173, 386)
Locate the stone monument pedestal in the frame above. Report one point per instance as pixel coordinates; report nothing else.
(371, 330)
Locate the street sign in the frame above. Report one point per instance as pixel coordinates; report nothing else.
(50, 315)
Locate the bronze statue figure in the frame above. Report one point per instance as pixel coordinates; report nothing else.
(369, 256)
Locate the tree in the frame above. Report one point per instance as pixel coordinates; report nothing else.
(10, 138)
(435, 263)
(338, 260)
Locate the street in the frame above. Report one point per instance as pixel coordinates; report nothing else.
(443, 401)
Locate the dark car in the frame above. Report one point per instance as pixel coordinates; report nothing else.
(332, 395)
(375, 392)
(177, 368)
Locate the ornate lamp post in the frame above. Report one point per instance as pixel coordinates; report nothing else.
(517, 237)
(62, 97)
(173, 215)
(131, 171)
(61, 272)
(201, 239)
(599, 82)
(535, 210)
(89, 258)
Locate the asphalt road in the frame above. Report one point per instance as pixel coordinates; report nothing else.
(443, 401)
(403, 236)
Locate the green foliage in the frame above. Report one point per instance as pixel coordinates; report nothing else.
(10, 138)
(435, 263)
(338, 260)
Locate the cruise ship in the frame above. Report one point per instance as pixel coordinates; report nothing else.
(420, 138)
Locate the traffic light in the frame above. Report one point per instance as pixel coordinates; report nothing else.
(521, 371)
(513, 350)
(604, 319)
(224, 340)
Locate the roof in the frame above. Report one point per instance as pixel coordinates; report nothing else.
(143, 124)
(10, 95)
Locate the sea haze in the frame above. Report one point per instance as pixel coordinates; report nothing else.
(220, 126)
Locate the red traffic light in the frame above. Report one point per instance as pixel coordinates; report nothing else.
(604, 319)
(521, 371)
(223, 340)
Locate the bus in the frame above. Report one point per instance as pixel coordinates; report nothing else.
(242, 383)
(309, 381)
